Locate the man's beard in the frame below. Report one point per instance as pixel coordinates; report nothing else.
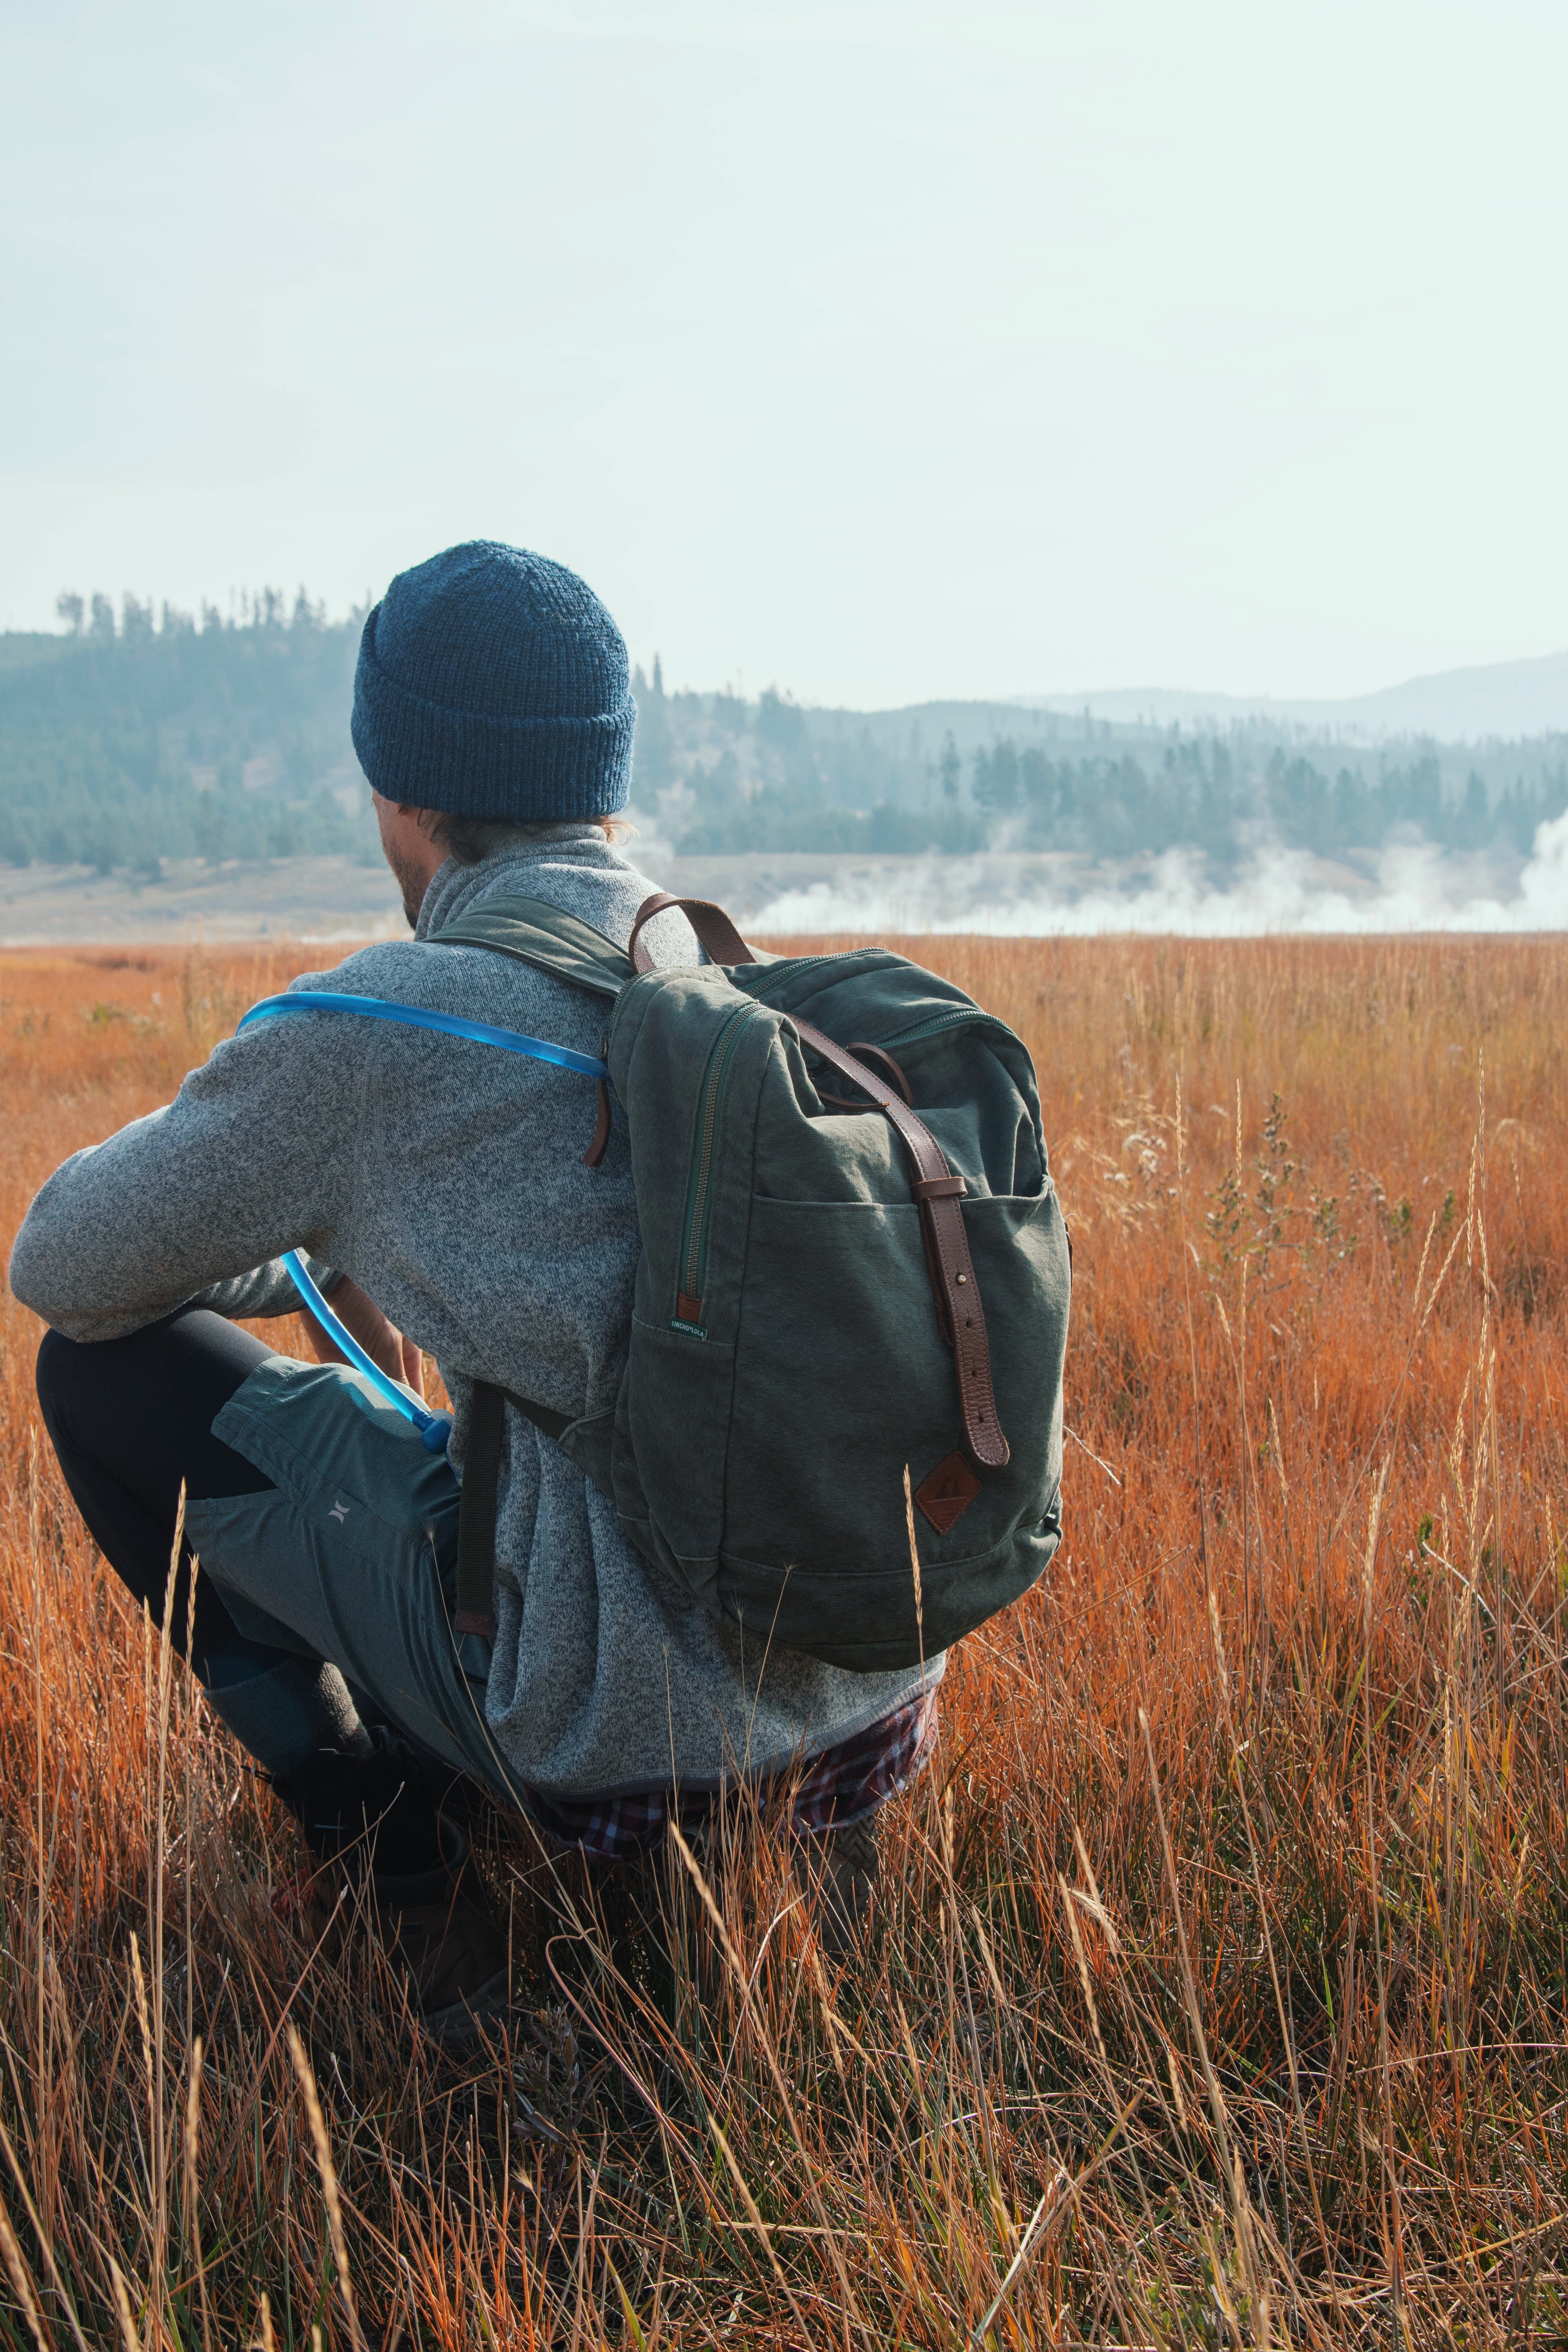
(412, 884)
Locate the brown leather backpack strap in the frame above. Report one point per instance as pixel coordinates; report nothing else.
(476, 1608)
(885, 1061)
(601, 1137)
(939, 1192)
(711, 923)
(599, 1141)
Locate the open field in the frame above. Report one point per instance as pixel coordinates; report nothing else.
(1219, 1996)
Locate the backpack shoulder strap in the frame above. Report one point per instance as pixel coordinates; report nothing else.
(547, 937)
(476, 1608)
(474, 1611)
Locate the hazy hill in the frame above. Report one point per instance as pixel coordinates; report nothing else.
(125, 744)
(1505, 701)
(719, 776)
(128, 744)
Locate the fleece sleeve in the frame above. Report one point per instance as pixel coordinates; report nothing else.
(197, 1201)
(266, 1290)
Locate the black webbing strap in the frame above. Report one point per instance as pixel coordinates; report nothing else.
(475, 1610)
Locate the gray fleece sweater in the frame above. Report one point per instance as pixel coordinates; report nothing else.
(447, 1179)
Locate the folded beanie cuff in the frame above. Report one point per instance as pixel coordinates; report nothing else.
(470, 763)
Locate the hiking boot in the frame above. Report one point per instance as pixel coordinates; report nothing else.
(841, 1867)
(373, 1823)
(441, 1931)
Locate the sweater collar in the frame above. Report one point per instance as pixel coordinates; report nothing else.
(453, 888)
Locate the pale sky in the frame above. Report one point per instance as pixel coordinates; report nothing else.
(884, 349)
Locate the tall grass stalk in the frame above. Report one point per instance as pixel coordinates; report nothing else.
(1216, 1996)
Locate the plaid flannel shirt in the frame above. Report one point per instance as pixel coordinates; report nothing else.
(840, 1786)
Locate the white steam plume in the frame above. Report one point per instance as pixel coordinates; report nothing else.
(1417, 887)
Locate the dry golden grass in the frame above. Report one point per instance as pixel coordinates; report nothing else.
(1219, 1993)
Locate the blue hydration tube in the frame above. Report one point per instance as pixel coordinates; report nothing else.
(414, 1016)
(435, 1428)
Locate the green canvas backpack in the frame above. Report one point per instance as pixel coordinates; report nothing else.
(853, 1265)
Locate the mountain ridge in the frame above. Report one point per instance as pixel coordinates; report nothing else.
(1500, 701)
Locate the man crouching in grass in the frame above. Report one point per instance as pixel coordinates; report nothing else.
(439, 1190)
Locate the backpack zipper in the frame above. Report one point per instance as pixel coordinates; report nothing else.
(931, 1027)
(837, 955)
(928, 1028)
(687, 1316)
(937, 1022)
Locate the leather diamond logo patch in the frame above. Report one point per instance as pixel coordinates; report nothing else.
(947, 1494)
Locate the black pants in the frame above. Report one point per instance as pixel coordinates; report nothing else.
(130, 1420)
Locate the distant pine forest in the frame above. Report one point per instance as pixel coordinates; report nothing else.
(135, 737)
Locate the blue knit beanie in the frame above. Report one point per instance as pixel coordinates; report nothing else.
(493, 683)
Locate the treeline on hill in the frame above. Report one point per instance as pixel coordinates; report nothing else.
(727, 776)
(207, 736)
(131, 739)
